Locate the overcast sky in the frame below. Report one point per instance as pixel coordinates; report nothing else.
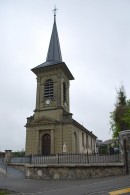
(95, 44)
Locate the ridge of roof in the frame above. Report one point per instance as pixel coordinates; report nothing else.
(84, 128)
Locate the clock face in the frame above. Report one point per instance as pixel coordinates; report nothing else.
(48, 102)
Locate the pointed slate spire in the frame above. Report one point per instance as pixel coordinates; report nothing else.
(54, 51)
(54, 58)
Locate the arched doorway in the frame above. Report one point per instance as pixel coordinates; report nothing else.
(46, 144)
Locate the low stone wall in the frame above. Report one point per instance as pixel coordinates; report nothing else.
(72, 171)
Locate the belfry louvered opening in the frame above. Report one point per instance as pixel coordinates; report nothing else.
(48, 89)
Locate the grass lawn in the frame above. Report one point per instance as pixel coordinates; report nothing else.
(4, 192)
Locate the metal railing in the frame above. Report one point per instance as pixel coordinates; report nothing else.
(1, 160)
(76, 159)
(3, 164)
(66, 158)
(23, 159)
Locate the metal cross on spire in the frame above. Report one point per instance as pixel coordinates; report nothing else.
(55, 10)
(54, 51)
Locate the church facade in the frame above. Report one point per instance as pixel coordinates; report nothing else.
(52, 129)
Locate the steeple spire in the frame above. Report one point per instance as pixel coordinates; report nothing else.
(54, 58)
(54, 51)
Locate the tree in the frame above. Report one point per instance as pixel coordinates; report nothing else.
(120, 117)
(127, 114)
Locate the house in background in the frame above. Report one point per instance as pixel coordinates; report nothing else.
(52, 129)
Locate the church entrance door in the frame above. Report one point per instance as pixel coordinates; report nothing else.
(46, 144)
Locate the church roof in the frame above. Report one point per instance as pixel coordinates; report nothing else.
(54, 51)
(83, 128)
(54, 56)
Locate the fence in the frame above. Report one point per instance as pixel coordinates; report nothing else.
(23, 159)
(3, 164)
(68, 159)
(1, 160)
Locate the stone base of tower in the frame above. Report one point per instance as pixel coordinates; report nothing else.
(45, 136)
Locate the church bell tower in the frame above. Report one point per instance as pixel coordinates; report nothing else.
(52, 81)
(52, 101)
(52, 129)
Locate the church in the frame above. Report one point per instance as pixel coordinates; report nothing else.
(52, 129)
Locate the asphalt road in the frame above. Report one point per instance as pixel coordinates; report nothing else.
(93, 186)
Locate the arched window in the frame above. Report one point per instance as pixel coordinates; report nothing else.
(75, 142)
(64, 92)
(48, 89)
(86, 141)
(82, 139)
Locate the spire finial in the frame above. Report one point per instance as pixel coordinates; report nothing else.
(54, 51)
(55, 10)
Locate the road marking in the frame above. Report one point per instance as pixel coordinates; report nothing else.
(122, 191)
